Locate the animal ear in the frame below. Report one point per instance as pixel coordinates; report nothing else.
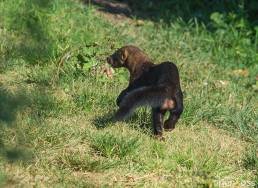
(124, 54)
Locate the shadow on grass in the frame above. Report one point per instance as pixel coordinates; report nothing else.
(169, 10)
(104, 121)
(31, 27)
(19, 112)
(10, 104)
(138, 121)
(16, 154)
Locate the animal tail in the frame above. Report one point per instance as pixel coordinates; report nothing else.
(144, 96)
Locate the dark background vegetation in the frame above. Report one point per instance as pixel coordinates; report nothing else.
(233, 23)
(169, 10)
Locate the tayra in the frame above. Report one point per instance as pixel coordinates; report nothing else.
(155, 85)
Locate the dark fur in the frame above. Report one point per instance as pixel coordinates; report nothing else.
(152, 85)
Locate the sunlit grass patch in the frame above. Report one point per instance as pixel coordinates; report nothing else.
(112, 145)
(56, 106)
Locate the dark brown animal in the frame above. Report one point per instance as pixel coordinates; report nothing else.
(152, 85)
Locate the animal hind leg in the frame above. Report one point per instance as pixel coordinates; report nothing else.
(170, 123)
(175, 113)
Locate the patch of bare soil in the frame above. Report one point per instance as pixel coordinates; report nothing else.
(112, 10)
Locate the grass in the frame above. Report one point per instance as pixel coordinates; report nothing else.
(55, 103)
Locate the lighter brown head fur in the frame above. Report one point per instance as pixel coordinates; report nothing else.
(132, 58)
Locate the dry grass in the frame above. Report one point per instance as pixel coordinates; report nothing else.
(57, 134)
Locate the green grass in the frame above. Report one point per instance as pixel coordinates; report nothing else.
(55, 103)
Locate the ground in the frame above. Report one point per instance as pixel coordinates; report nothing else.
(55, 102)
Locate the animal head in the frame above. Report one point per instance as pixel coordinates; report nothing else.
(127, 56)
(118, 58)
